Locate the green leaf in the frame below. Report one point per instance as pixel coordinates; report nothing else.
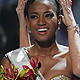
(27, 78)
(1, 76)
(23, 72)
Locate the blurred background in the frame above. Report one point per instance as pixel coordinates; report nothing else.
(9, 26)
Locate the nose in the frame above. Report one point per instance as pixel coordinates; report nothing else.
(41, 21)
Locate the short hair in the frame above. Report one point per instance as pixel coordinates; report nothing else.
(54, 2)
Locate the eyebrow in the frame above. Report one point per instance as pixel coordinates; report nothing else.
(48, 12)
(33, 13)
(44, 12)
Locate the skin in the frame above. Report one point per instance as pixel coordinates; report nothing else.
(42, 19)
(51, 55)
(24, 41)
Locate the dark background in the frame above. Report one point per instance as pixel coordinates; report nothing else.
(9, 26)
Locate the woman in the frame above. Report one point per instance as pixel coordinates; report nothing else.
(57, 61)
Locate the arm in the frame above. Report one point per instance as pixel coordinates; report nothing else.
(5, 61)
(74, 49)
(73, 36)
(24, 34)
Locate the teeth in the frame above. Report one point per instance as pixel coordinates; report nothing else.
(42, 29)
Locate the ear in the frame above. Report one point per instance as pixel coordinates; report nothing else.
(59, 20)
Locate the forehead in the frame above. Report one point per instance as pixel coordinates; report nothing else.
(41, 6)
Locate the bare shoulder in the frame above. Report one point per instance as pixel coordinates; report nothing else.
(5, 61)
(63, 50)
(62, 47)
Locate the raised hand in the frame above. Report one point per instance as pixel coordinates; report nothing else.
(20, 11)
(67, 18)
(24, 35)
(21, 6)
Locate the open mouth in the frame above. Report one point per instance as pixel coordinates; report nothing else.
(42, 30)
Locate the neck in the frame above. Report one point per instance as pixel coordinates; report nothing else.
(46, 48)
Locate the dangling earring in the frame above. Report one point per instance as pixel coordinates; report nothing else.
(29, 30)
(59, 25)
(59, 28)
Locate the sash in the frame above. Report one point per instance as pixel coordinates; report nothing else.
(20, 57)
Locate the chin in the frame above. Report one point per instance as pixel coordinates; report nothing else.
(41, 41)
(44, 40)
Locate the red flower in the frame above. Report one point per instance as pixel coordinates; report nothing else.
(31, 77)
(23, 78)
(9, 73)
(33, 63)
(12, 73)
(31, 72)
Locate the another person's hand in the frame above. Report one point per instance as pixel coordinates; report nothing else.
(67, 18)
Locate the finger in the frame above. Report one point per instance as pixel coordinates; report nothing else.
(21, 5)
(65, 7)
(68, 10)
(69, 3)
(63, 3)
(24, 2)
(19, 1)
(63, 19)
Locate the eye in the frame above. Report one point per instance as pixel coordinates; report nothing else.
(33, 16)
(49, 15)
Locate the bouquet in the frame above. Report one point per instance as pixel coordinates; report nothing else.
(12, 73)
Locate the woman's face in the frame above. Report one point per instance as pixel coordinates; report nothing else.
(42, 21)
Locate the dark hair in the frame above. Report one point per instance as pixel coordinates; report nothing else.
(56, 3)
(27, 7)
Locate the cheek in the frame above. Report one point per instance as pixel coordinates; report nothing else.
(32, 23)
(53, 22)
(32, 26)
